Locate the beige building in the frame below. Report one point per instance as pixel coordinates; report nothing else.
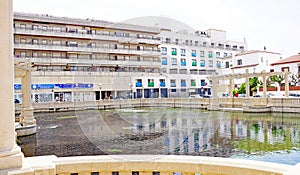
(83, 59)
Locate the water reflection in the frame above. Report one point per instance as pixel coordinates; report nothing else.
(192, 132)
(176, 131)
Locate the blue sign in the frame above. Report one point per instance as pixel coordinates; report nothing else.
(52, 86)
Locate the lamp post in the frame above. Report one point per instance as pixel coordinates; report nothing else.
(100, 93)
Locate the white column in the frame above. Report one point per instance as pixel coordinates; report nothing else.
(27, 117)
(286, 82)
(247, 84)
(159, 91)
(143, 93)
(264, 84)
(231, 87)
(10, 154)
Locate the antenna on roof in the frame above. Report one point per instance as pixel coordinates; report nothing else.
(265, 48)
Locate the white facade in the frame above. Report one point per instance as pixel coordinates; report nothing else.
(255, 61)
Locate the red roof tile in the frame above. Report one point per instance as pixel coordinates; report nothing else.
(291, 59)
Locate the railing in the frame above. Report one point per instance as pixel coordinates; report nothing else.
(86, 49)
(149, 165)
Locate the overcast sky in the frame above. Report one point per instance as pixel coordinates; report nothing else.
(271, 23)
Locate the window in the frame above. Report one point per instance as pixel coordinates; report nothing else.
(182, 52)
(174, 61)
(261, 59)
(183, 62)
(34, 41)
(193, 82)
(150, 82)
(73, 44)
(239, 62)
(194, 53)
(164, 61)
(194, 62)
(173, 83)
(210, 54)
(227, 64)
(23, 54)
(218, 64)
(44, 27)
(202, 63)
(22, 26)
(210, 63)
(217, 54)
(225, 55)
(164, 51)
(182, 83)
(174, 51)
(44, 42)
(34, 27)
(202, 54)
(23, 40)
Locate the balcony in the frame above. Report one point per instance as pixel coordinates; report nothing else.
(210, 55)
(82, 48)
(194, 54)
(174, 52)
(150, 84)
(219, 65)
(183, 63)
(202, 64)
(138, 84)
(193, 83)
(98, 61)
(194, 63)
(202, 83)
(87, 35)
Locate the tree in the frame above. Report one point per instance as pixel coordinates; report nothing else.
(254, 82)
(294, 79)
(278, 79)
(242, 89)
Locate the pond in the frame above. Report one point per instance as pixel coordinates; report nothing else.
(259, 136)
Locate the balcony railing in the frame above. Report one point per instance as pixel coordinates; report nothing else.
(89, 49)
(194, 63)
(86, 34)
(202, 64)
(174, 52)
(183, 63)
(183, 84)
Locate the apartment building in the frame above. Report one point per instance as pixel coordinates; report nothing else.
(189, 56)
(88, 59)
(83, 59)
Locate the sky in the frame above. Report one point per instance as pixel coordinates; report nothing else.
(274, 24)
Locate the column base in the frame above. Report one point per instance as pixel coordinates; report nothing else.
(11, 159)
(27, 117)
(26, 130)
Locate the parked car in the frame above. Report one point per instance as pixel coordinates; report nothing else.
(17, 101)
(195, 96)
(241, 95)
(207, 96)
(257, 96)
(294, 95)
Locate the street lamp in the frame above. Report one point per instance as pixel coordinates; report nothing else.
(100, 93)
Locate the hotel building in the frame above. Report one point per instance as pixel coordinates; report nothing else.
(87, 59)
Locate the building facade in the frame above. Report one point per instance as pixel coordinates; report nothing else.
(88, 60)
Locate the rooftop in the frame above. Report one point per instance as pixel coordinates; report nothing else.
(291, 59)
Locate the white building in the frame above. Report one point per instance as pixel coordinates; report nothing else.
(189, 56)
(292, 64)
(255, 61)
